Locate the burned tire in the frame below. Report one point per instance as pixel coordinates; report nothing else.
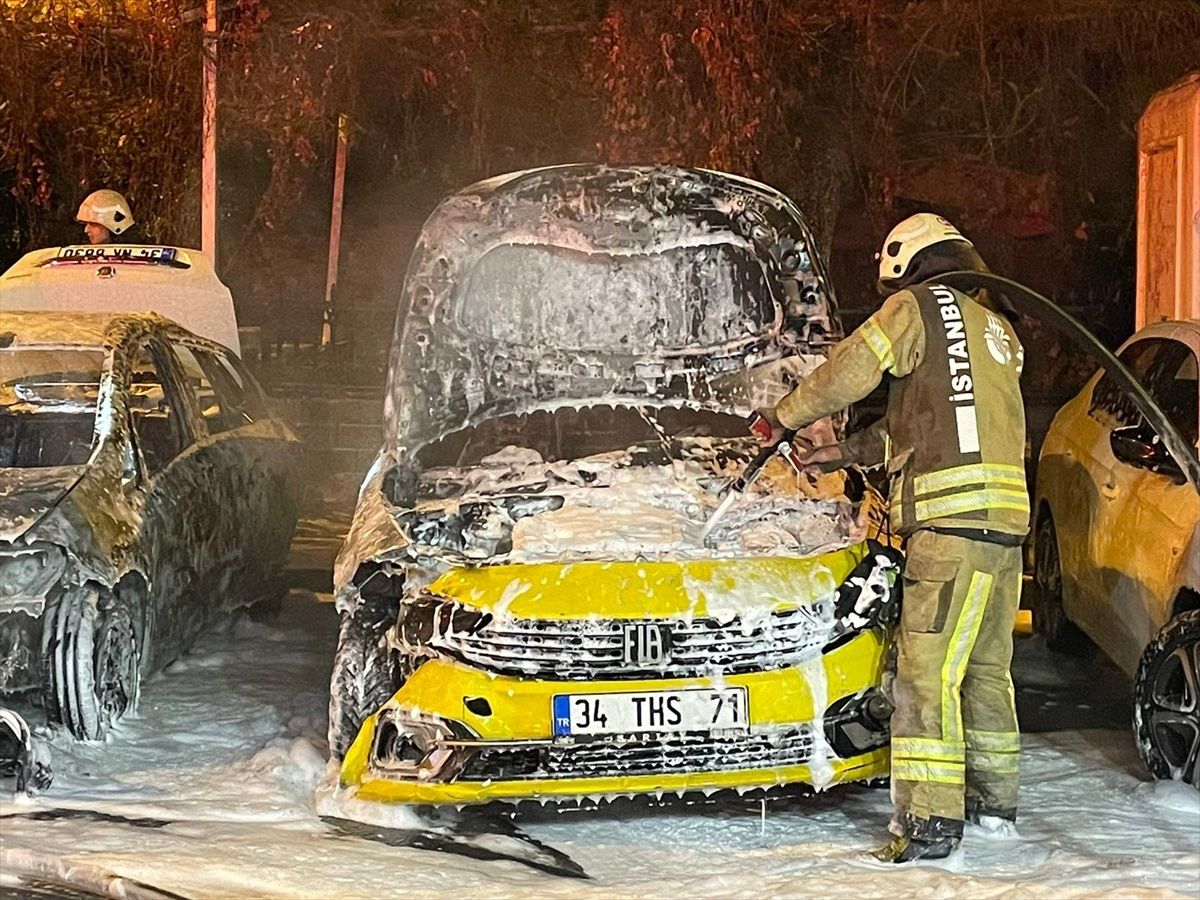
(1049, 618)
(95, 659)
(1166, 701)
(365, 673)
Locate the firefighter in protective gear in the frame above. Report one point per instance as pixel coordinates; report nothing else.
(104, 214)
(953, 442)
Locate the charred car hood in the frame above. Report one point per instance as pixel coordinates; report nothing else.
(26, 495)
(577, 282)
(625, 505)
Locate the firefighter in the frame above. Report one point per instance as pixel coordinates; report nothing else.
(953, 442)
(104, 215)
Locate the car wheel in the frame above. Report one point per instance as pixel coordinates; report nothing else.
(96, 662)
(1049, 618)
(365, 674)
(1166, 701)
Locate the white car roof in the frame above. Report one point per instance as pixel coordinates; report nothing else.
(175, 282)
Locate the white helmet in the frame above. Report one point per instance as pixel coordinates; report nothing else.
(107, 208)
(908, 239)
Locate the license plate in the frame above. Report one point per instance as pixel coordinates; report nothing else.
(116, 253)
(693, 709)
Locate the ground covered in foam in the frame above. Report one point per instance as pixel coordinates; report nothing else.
(212, 791)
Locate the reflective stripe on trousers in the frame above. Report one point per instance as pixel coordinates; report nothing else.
(954, 729)
(962, 642)
(943, 760)
(993, 751)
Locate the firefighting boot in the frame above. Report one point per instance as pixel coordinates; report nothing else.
(932, 838)
(978, 810)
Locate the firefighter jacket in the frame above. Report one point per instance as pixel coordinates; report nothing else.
(953, 438)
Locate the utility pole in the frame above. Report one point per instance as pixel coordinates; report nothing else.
(208, 180)
(335, 226)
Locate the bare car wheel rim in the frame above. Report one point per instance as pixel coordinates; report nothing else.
(116, 664)
(1175, 712)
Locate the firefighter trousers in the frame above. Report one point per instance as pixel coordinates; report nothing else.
(954, 731)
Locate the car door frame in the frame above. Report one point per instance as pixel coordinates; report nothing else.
(277, 458)
(1067, 487)
(1115, 484)
(171, 582)
(254, 454)
(1130, 583)
(1142, 606)
(229, 536)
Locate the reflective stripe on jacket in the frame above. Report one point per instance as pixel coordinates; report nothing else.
(954, 435)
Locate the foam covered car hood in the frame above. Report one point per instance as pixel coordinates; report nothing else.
(577, 282)
(719, 588)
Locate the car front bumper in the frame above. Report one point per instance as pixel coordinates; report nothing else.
(491, 738)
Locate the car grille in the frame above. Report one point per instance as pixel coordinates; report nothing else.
(643, 755)
(583, 649)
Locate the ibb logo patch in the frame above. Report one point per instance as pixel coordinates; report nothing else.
(997, 340)
(647, 644)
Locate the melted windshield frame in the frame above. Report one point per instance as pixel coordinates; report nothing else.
(49, 406)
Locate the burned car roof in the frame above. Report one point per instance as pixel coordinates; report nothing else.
(579, 282)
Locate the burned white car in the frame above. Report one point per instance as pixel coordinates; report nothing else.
(528, 607)
(143, 495)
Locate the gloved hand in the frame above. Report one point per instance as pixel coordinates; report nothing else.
(767, 413)
(796, 452)
(765, 426)
(825, 459)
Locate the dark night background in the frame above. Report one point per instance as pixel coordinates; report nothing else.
(1016, 118)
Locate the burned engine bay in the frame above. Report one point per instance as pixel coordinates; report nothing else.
(642, 487)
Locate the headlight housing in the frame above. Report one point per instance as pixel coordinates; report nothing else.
(473, 529)
(27, 573)
(418, 746)
(428, 621)
(869, 597)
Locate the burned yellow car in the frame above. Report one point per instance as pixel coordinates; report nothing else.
(528, 606)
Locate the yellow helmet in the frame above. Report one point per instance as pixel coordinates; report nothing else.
(107, 208)
(908, 239)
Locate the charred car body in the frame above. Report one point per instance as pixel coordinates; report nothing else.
(527, 610)
(143, 495)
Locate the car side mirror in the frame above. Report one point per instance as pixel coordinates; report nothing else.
(1136, 445)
